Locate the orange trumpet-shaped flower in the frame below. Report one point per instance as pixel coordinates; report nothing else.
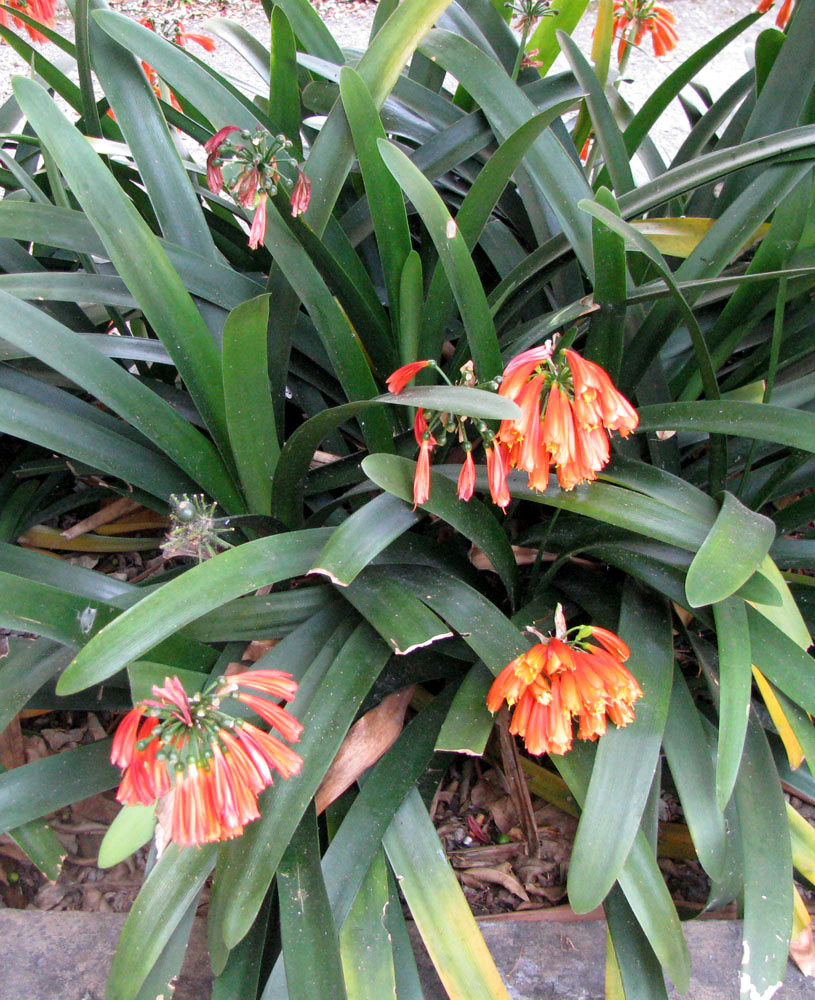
(466, 478)
(41, 10)
(646, 16)
(397, 381)
(426, 443)
(210, 766)
(559, 680)
(567, 411)
(784, 11)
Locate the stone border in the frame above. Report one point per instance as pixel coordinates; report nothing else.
(66, 956)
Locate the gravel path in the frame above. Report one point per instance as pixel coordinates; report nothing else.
(697, 21)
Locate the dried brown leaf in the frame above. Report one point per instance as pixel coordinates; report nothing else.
(367, 740)
(802, 951)
(475, 877)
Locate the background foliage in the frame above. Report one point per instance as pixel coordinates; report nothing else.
(136, 333)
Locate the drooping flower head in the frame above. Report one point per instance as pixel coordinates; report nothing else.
(210, 765)
(566, 677)
(40, 10)
(256, 164)
(636, 17)
(173, 30)
(568, 405)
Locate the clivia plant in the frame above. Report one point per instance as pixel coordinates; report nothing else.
(371, 314)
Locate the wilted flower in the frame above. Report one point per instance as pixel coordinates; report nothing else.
(301, 195)
(641, 16)
(40, 10)
(256, 166)
(561, 679)
(194, 529)
(210, 765)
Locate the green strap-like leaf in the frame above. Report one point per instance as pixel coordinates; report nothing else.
(793, 428)
(384, 195)
(33, 790)
(91, 443)
(640, 879)
(211, 94)
(182, 600)
(735, 685)
(401, 619)
(367, 957)
(147, 135)
(606, 130)
(765, 842)
(249, 866)
(360, 834)
(310, 944)
(32, 330)
(333, 327)
(362, 537)
(458, 264)
(641, 975)
(164, 899)
(42, 847)
(688, 756)
(714, 574)
(249, 412)
(332, 154)
(605, 341)
(560, 180)
(438, 906)
(626, 758)
(472, 519)
(136, 255)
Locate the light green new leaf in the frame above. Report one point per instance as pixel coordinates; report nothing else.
(131, 829)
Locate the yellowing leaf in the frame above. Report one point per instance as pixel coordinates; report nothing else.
(679, 237)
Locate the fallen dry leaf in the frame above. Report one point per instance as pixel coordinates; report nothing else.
(475, 877)
(802, 951)
(114, 510)
(367, 740)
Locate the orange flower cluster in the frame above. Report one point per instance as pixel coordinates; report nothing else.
(646, 16)
(567, 410)
(173, 30)
(784, 11)
(210, 765)
(41, 10)
(559, 680)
